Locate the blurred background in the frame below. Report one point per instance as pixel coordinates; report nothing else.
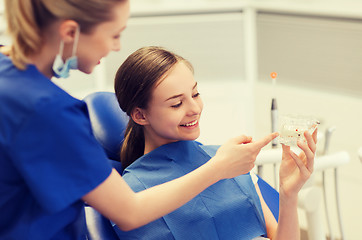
(315, 46)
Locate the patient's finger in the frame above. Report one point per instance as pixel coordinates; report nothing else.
(286, 148)
(306, 149)
(286, 152)
(302, 167)
(314, 135)
(310, 140)
(308, 154)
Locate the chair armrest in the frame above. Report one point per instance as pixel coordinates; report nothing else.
(332, 160)
(321, 163)
(269, 156)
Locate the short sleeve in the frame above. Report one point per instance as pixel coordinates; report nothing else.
(57, 154)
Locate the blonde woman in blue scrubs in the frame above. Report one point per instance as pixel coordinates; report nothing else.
(50, 163)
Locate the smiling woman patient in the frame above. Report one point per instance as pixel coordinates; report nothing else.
(157, 89)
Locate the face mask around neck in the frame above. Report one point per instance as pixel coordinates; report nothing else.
(61, 69)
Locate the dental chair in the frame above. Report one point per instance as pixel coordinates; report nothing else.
(109, 123)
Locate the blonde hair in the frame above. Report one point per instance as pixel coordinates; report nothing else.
(27, 20)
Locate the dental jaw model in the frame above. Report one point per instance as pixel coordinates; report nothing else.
(292, 128)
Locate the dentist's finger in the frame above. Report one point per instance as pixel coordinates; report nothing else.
(264, 141)
(242, 139)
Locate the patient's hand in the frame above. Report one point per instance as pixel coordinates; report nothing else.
(296, 170)
(238, 155)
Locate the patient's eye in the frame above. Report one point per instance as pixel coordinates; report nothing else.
(177, 105)
(196, 95)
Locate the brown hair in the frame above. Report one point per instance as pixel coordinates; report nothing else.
(27, 19)
(134, 83)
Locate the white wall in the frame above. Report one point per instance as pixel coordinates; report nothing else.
(319, 61)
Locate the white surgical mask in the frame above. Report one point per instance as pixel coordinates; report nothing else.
(61, 69)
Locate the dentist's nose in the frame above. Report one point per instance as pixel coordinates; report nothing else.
(117, 46)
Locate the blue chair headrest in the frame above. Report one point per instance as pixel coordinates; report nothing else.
(108, 121)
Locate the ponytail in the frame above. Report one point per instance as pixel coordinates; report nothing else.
(24, 30)
(133, 144)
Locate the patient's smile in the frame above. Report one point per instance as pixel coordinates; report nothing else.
(190, 124)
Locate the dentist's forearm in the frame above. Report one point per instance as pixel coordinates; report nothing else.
(129, 210)
(162, 199)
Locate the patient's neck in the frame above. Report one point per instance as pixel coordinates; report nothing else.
(153, 141)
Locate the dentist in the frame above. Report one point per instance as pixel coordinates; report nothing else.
(50, 162)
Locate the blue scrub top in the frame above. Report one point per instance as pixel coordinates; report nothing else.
(227, 210)
(49, 157)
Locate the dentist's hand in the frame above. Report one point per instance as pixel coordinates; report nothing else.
(237, 156)
(295, 170)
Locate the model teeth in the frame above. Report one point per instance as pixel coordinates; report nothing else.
(190, 124)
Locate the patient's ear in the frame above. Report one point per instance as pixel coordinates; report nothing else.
(138, 115)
